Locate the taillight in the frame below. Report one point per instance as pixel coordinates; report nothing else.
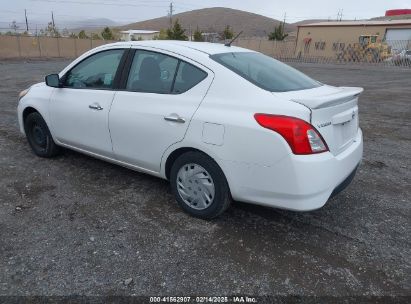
(301, 136)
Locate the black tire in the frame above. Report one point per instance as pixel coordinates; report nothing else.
(222, 197)
(39, 137)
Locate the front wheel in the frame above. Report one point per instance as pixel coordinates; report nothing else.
(199, 185)
(39, 137)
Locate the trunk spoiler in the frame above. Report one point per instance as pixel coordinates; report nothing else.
(343, 95)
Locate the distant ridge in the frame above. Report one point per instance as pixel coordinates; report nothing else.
(215, 20)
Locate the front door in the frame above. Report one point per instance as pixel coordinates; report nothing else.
(79, 110)
(156, 106)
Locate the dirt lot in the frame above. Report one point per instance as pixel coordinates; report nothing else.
(77, 225)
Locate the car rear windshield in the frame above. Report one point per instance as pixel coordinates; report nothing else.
(265, 72)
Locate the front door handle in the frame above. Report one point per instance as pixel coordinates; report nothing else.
(95, 106)
(175, 118)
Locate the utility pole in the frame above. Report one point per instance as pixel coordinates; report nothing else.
(27, 24)
(170, 14)
(52, 19)
(340, 15)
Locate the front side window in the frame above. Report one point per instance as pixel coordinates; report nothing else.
(265, 72)
(95, 72)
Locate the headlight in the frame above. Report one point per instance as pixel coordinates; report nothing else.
(23, 93)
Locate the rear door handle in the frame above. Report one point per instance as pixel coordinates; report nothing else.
(95, 106)
(175, 118)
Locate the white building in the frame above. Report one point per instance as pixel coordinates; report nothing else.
(138, 35)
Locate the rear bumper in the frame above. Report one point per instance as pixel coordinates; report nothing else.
(298, 182)
(344, 184)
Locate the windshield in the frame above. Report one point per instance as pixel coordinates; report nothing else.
(265, 72)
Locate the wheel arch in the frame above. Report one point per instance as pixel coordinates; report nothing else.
(176, 154)
(27, 111)
(171, 158)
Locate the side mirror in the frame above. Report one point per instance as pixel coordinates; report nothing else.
(53, 80)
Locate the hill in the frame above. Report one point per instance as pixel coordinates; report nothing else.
(89, 23)
(214, 20)
(308, 21)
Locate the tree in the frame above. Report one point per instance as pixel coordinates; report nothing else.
(65, 32)
(50, 31)
(278, 33)
(95, 36)
(14, 26)
(82, 35)
(198, 35)
(161, 36)
(228, 33)
(107, 34)
(177, 32)
(72, 35)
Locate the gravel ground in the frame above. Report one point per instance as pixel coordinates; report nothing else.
(77, 225)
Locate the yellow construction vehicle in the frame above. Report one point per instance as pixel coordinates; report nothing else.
(374, 49)
(368, 49)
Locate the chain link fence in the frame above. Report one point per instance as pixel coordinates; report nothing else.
(389, 53)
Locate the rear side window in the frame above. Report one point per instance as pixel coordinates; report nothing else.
(187, 77)
(152, 72)
(265, 72)
(95, 72)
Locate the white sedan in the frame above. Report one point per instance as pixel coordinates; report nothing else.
(219, 122)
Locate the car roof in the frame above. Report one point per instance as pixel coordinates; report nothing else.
(186, 46)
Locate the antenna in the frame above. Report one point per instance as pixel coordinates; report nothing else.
(234, 39)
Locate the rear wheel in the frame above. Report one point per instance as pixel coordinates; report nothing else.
(199, 185)
(39, 137)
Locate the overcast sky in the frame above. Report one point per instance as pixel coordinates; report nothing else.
(127, 11)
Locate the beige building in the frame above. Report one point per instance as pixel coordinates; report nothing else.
(327, 39)
(138, 35)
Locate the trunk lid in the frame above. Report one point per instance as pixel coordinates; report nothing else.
(334, 113)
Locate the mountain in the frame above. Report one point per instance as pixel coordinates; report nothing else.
(214, 20)
(71, 25)
(308, 21)
(89, 23)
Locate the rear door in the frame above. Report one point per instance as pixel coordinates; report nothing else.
(153, 110)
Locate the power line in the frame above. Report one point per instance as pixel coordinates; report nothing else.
(101, 3)
(340, 15)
